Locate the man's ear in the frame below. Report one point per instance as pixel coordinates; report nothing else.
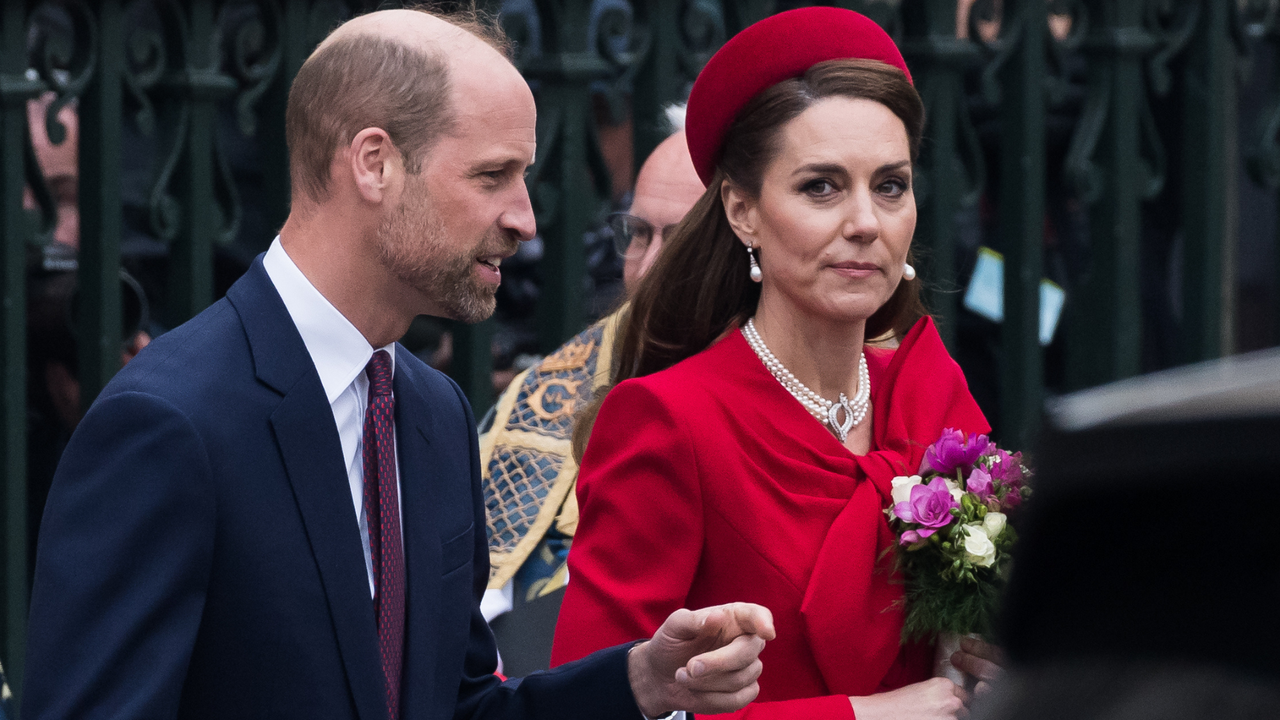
(375, 164)
(740, 210)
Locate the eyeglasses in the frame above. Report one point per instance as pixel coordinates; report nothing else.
(632, 235)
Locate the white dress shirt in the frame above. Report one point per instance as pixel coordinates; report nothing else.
(340, 354)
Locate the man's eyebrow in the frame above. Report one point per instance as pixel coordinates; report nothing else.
(491, 164)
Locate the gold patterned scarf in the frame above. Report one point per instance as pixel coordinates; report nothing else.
(529, 470)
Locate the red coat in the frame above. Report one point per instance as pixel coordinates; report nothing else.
(708, 483)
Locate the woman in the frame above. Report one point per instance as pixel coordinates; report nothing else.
(747, 449)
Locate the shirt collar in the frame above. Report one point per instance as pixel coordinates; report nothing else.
(340, 352)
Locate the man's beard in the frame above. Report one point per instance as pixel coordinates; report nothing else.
(412, 244)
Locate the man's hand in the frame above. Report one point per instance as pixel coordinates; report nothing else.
(980, 660)
(704, 661)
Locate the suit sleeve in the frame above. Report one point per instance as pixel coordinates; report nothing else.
(124, 558)
(596, 687)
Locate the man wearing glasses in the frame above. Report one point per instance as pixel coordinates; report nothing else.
(529, 471)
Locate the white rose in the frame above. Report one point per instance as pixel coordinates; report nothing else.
(978, 548)
(902, 487)
(956, 490)
(993, 523)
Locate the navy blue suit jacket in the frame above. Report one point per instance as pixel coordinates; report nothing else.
(200, 557)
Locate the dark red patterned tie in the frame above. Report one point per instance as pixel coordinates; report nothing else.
(382, 508)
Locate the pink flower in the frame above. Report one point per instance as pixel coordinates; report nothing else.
(952, 451)
(979, 483)
(1012, 499)
(930, 507)
(1007, 468)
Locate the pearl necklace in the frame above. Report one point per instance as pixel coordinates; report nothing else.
(826, 411)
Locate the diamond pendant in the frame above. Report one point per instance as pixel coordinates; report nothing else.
(842, 428)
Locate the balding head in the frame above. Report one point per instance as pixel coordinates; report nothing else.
(391, 69)
(666, 189)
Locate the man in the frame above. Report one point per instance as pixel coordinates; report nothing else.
(529, 470)
(200, 556)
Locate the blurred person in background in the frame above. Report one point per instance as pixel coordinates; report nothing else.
(59, 165)
(526, 454)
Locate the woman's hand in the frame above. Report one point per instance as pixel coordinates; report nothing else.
(935, 699)
(980, 660)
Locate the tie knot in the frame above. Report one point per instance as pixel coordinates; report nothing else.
(379, 371)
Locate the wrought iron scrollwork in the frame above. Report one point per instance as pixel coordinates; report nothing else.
(1081, 171)
(1252, 20)
(1083, 174)
(190, 76)
(702, 32)
(145, 62)
(521, 23)
(622, 44)
(1074, 14)
(251, 46)
(1174, 24)
(1260, 19)
(983, 15)
(65, 56)
(545, 193)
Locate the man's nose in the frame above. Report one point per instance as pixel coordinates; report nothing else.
(519, 216)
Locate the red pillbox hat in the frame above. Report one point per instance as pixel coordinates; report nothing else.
(779, 47)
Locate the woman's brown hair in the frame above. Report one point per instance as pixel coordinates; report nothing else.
(698, 288)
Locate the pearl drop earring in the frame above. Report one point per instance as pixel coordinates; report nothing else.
(908, 272)
(756, 275)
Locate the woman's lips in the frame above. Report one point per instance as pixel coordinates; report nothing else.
(856, 269)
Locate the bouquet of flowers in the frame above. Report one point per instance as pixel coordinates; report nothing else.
(953, 535)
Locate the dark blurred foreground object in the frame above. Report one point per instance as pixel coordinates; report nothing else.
(6, 711)
(1147, 582)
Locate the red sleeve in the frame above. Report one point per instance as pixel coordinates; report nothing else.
(639, 533)
(827, 707)
(639, 538)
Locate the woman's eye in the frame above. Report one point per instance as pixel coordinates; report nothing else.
(820, 187)
(893, 187)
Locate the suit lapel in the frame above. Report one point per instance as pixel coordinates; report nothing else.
(311, 451)
(418, 476)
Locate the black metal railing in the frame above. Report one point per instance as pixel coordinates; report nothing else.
(1104, 144)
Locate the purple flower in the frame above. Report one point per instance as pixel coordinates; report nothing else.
(1007, 468)
(1012, 499)
(979, 483)
(930, 507)
(953, 450)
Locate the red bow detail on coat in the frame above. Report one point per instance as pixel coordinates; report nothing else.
(852, 608)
